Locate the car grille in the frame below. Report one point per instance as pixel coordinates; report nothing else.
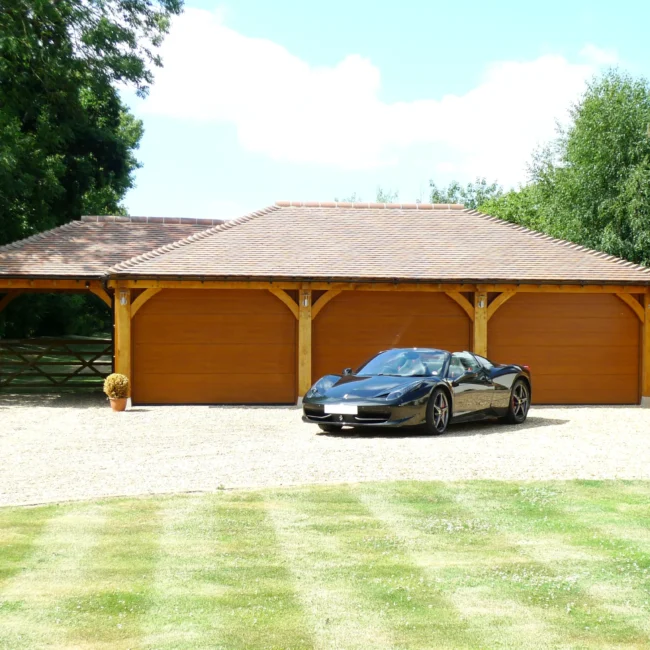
(366, 415)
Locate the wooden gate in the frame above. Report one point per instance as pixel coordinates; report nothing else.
(54, 363)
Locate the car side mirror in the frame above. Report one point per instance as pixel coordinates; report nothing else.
(347, 371)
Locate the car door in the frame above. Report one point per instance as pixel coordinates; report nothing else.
(471, 383)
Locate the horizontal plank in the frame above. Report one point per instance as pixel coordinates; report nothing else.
(556, 390)
(214, 389)
(572, 359)
(390, 304)
(207, 328)
(213, 302)
(218, 358)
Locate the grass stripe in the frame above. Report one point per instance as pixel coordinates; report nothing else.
(19, 530)
(30, 602)
(442, 542)
(558, 569)
(226, 588)
(357, 558)
(111, 601)
(338, 618)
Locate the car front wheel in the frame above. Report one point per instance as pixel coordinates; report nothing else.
(519, 403)
(438, 412)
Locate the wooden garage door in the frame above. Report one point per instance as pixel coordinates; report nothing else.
(355, 325)
(582, 349)
(214, 346)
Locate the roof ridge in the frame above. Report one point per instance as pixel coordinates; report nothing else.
(562, 242)
(154, 220)
(39, 235)
(157, 252)
(374, 206)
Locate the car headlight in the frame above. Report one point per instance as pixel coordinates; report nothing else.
(319, 388)
(400, 392)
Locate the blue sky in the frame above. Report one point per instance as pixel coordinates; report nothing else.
(260, 101)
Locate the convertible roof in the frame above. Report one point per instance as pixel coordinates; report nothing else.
(379, 242)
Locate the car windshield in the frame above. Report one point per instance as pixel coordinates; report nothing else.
(405, 363)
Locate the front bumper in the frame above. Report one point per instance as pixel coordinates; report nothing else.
(369, 415)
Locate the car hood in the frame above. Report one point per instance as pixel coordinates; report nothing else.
(353, 387)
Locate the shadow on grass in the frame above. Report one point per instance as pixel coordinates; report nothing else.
(461, 430)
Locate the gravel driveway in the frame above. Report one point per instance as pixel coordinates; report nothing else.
(55, 448)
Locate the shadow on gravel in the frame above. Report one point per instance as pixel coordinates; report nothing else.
(52, 400)
(485, 428)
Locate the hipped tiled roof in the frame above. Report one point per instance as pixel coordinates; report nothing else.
(89, 247)
(379, 242)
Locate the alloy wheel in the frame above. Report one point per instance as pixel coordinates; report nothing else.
(520, 401)
(440, 411)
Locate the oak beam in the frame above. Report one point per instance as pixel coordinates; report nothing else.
(633, 304)
(323, 300)
(562, 288)
(290, 284)
(282, 295)
(645, 353)
(123, 331)
(8, 297)
(145, 296)
(375, 286)
(304, 342)
(463, 302)
(45, 285)
(498, 302)
(100, 292)
(480, 341)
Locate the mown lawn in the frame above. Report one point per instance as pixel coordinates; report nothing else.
(395, 565)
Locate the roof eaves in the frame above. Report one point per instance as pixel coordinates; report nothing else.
(562, 242)
(125, 266)
(334, 279)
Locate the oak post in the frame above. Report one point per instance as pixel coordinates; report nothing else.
(645, 352)
(480, 323)
(123, 331)
(304, 342)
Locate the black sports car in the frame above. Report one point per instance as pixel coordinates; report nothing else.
(419, 387)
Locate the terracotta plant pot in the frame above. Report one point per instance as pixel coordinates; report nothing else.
(118, 404)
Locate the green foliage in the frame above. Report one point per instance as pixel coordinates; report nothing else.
(50, 314)
(386, 196)
(67, 141)
(382, 196)
(471, 195)
(66, 138)
(591, 185)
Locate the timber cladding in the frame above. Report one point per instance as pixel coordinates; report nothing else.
(214, 346)
(582, 349)
(356, 325)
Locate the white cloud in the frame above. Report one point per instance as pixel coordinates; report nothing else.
(291, 111)
(600, 56)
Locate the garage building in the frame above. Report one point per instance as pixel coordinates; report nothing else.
(254, 309)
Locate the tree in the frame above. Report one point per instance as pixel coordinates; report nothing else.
(471, 195)
(386, 196)
(66, 139)
(382, 196)
(591, 185)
